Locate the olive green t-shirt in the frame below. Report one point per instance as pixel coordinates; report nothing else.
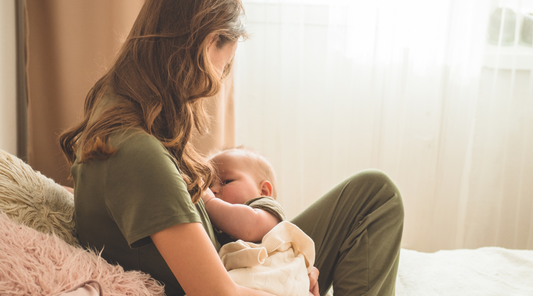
(121, 201)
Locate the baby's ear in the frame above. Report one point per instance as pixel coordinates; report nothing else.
(266, 188)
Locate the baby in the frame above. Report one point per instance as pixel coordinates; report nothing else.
(245, 191)
(243, 208)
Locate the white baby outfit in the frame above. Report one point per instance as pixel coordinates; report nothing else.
(279, 264)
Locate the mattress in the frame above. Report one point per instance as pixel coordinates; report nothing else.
(485, 272)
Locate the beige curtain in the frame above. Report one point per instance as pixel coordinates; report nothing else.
(70, 42)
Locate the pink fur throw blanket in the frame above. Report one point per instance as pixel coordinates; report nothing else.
(34, 263)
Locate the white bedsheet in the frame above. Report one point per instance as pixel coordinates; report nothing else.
(486, 271)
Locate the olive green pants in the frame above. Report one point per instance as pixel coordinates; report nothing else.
(357, 230)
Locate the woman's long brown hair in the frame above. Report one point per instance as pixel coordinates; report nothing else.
(160, 76)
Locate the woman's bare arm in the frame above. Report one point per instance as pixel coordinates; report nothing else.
(239, 221)
(195, 262)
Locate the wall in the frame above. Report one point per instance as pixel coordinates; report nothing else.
(8, 86)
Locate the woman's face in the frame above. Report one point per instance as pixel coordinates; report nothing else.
(221, 57)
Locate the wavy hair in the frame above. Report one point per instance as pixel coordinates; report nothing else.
(160, 76)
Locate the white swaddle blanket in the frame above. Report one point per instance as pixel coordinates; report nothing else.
(279, 264)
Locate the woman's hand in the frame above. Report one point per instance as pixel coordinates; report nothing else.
(313, 282)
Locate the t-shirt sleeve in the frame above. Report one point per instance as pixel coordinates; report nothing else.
(144, 191)
(269, 205)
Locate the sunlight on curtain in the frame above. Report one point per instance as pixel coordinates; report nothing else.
(422, 90)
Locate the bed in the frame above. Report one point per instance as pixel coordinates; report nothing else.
(488, 271)
(32, 207)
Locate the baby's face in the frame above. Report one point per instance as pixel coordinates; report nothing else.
(236, 183)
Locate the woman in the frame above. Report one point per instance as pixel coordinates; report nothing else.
(139, 182)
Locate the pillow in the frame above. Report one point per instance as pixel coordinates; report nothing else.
(28, 197)
(33, 263)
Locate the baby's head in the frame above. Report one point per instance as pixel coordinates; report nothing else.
(242, 174)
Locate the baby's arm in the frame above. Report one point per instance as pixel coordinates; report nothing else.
(239, 221)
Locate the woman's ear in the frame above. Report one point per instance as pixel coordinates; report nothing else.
(212, 40)
(266, 188)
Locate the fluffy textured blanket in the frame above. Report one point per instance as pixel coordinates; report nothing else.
(34, 263)
(30, 198)
(482, 272)
(279, 265)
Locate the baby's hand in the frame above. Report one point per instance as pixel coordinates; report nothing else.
(207, 196)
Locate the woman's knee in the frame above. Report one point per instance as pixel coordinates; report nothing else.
(372, 176)
(377, 188)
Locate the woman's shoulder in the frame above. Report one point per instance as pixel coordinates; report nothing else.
(136, 145)
(135, 140)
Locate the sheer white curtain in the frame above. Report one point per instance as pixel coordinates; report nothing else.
(411, 87)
